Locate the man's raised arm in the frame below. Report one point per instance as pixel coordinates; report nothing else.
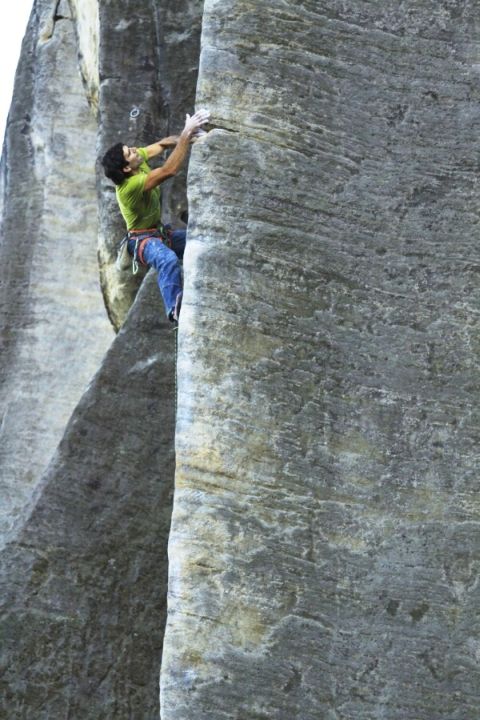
(161, 145)
(176, 159)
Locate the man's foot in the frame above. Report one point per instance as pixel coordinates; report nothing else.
(175, 313)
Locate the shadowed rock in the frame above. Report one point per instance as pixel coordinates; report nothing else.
(325, 536)
(82, 604)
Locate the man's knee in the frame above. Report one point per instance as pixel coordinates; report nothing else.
(177, 242)
(158, 254)
(170, 259)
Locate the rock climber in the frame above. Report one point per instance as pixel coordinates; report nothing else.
(139, 199)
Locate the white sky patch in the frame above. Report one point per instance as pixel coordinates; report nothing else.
(16, 19)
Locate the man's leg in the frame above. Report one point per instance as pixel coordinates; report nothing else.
(169, 276)
(177, 241)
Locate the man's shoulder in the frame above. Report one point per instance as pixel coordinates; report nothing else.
(131, 185)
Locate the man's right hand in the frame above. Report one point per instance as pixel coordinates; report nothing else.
(192, 124)
(174, 162)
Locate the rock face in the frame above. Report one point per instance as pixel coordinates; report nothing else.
(325, 537)
(82, 606)
(53, 326)
(324, 549)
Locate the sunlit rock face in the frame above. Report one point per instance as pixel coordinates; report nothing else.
(53, 326)
(325, 538)
(83, 584)
(148, 70)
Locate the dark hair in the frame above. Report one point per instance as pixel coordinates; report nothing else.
(113, 163)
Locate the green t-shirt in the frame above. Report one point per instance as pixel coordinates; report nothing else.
(140, 208)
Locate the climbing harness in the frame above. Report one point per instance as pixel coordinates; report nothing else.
(125, 260)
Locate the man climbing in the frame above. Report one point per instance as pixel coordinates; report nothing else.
(138, 196)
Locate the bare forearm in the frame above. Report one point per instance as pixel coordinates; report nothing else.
(169, 141)
(172, 165)
(161, 145)
(175, 161)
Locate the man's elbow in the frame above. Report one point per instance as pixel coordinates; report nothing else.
(154, 180)
(171, 169)
(170, 172)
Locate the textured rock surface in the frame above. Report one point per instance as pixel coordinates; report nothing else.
(148, 65)
(83, 584)
(325, 540)
(53, 326)
(87, 27)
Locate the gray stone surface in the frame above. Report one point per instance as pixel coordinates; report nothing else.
(325, 541)
(324, 552)
(148, 62)
(83, 583)
(53, 326)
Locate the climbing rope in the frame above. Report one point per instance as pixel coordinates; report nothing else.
(175, 331)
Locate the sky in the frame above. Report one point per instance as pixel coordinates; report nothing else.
(18, 14)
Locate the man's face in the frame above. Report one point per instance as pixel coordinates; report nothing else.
(132, 157)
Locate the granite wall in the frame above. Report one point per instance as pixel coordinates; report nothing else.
(324, 552)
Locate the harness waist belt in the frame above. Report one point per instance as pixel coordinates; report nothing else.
(143, 230)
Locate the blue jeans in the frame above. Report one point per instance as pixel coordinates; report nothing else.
(165, 261)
